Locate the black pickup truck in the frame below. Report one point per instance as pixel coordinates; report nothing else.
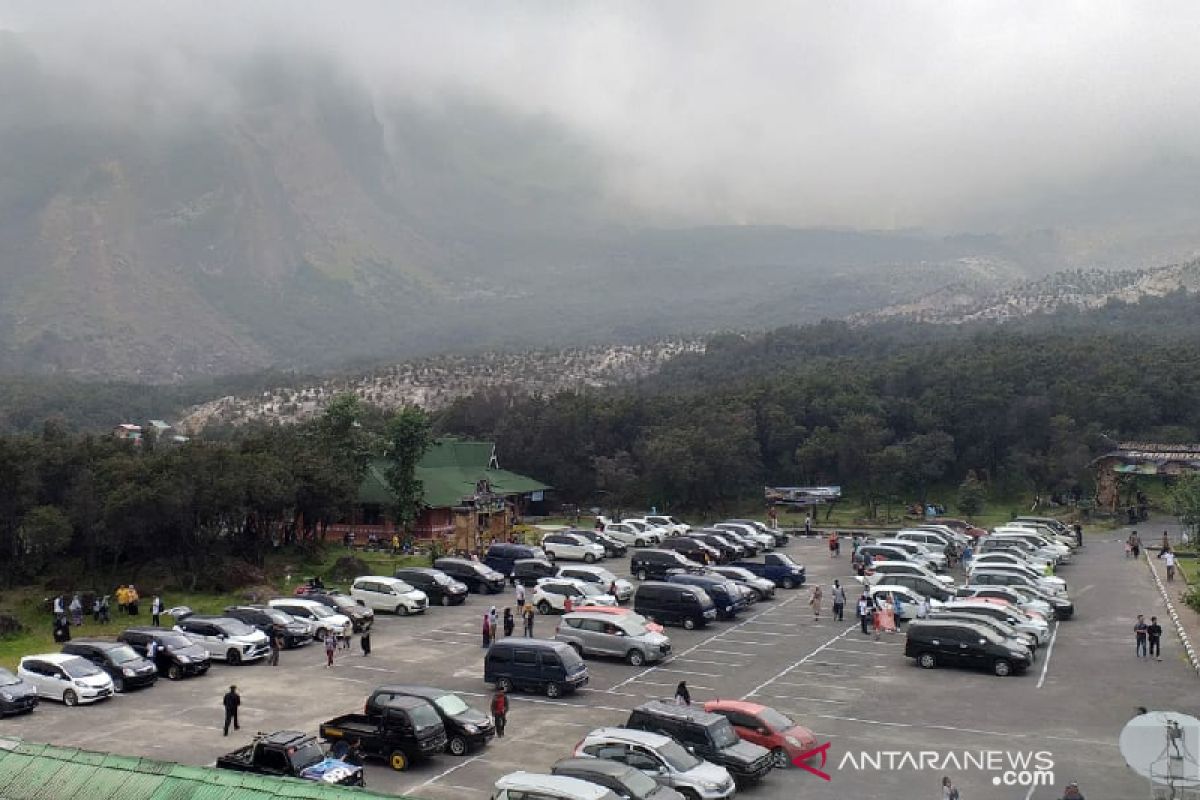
(291, 754)
(408, 730)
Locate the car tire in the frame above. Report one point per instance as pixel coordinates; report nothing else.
(550, 556)
(233, 657)
(635, 658)
(402, 610)
(320, 635)
(457, 746)
(445, 600)
(578, 648)
(1002, 668)
(504, 685)
(689, 624)
(553, 691)
(589, 558)
(642, 575)
(781, 759)
(398, 760)
(70, 699)
(118, 685)
(174, 672)
(926, 661)
(788, 583)
(690, 794)
(544, 607)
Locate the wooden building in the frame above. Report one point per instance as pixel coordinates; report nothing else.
(1131, 459)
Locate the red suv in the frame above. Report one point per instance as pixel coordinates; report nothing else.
(767, 727)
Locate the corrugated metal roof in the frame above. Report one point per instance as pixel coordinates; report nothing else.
(32, 771)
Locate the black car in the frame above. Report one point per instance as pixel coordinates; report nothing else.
(933, 643)
(175, 655)
(16, 696)
(657, 564)
(479, 578)
(466, 728)
(527, 571)
(501, 555)
(694, 549)
(749, 546)
(612, 548)
(361, 617)
(268, 620)
(728, 550)
(124, 665)
(439, 587)
(709, 736)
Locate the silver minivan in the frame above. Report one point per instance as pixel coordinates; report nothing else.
(612, 635)
(662, 758)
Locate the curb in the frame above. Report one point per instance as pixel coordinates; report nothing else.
(1193, 659)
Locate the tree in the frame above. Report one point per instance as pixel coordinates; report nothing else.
(408, 437)
(971, 496)
(1184, 499)
(45, 532)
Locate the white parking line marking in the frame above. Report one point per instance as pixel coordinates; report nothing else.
(752, 644)
(975, 731)
(348, 680)
(714, 663)
(373, 669)
(805, 699)
(443, 774)
(670, 685)
(718, 652)
(826, 685)
(782, 624)
(1049, 652)
(855, 652)
(688, 672)
(796, 664)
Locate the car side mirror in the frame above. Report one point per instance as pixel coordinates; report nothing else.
(763, 731)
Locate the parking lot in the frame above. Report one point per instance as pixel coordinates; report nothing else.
(860, 695)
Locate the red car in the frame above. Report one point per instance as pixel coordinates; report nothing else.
(766, 727)
(653, 627)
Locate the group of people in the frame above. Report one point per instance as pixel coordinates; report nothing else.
(1147, 638)
(68, 613)
(837, 594)
(493, 624)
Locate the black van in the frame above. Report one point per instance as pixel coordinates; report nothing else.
(709, 736)
(534, 664)
(439, 587)
(127, 668)
(657, 564)
(270, 620)
(694, 549)
(477, 577)
(466, 728)
(527, 571)
(725, 596)
(500, 556)
(933, 643)
(175, 655)
(670, 603)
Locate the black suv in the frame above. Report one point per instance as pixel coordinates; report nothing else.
(175, 655)
(694, 549)
(361, 617)
(657, 564)
(478, 577)
(269, 620)
(612, 548)
(124, 665)
(729, 551)
(933, 643)
(709, 736)
(466, 728)
(527, 571)
(439, 587)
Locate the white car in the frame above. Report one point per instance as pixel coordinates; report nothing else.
(936, 559)
(66, 678)
(551, 595)
(662, 758)
(527, 785)
(765, 540)
(226, 639)
(326, 620)
(674, 526)
(628, 534)
(1020, 599)
(909, 600)
(1036, 563)
(1047, 583)
(601, 577)
(571, 547)
(1062, 552)
(382, 593)
(878, 571)
(646, 527)
(1038, 628)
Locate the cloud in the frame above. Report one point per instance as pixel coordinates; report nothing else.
(946, 115)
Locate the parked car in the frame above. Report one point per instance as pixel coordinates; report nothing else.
(382, 593)
(778, 568)
(762, 588)
(727, 550)
(1031, 561)
(934, 591)
(750, 546)
(648, 527)
(535, 665)
(477, 577)
(725, 595)
(600, 576)
(1047, 583)
(551, 595)
(605, 635)
(1003, 611)
(500, 556)
(623, 780)
(934, 557)
(467, 729)
(995, 576)
(909, 599)
(532, 786)
(629, 613)
(766, 541)
(996, 625)
(528, 571)
(781, 536)
(612, 548)
(320, 615)
(440, 588)
(709, 736)
(175, 655)
(881, 552)
(933, 643)
(17, 696)
(877, 571)
(1015, 596)
(224, 638)
(66, 678)
(765, 727)
(127, 669)
(295, 632)
(670, 524)
(658, 564)
(291, 754)
(408, 730)
(571, 547)
(662, 758)
(361, 617)
(669, 603)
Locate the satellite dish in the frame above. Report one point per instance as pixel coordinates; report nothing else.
(1164, 748)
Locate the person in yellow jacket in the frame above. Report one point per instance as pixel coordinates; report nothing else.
(122, 598)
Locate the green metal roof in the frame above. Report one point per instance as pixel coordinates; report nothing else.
(448, 473)
(30, 771)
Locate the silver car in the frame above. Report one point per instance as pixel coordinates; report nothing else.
(612, 635)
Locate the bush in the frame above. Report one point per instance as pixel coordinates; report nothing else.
(349, 567)
(1191, 598)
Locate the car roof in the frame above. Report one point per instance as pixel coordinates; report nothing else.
(744, 706)
(214, 619)
(572, 787)
(423, 570)
(660, 708)
(919, 624)
(428, 692)
(103, 644)
(887, 587)
(284, 738)
(630, 735)
(537, 644)
(296, 601)
(608, 610)
(375, 578)
(600, 766)
(595, 569)
(576, 582)
(53, 658)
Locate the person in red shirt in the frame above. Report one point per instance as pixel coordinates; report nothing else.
(500, 711)
(568, 606)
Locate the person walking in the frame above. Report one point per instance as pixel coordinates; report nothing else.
(1072, 792)
(1168, 558)
(839, 601)
(330, 646)
(815, 602)
(520, 594)
(527, 616)
(1140, 633)
(134, 600)
(1154, 636)
(76, 611)
(364, 641)
(568, 605)
(96, 608)
(864, 609)
(949, 792)
(682, 696)
(509, 622)
(155, 610)
(500, 711)
(347, 633)
(494, 622)
(273, 643)
(1166, 544)
(487, 630)
(808, 524)
(232, 701)
(1078, 535)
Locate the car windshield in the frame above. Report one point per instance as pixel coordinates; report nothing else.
(605, 576)
(591, 589)
(639, 784)
(679, 759)
(423, 716)
(78, 668)
(774, 720)
(306, 755)
(341, 601)
(174, 641)
(278, 617)
(451, 705)
(442, 579)
(570, 659)
(785, 559)
(723, 734)
(319, 611)
(404, 588)
(123, 654)
(7, 678)
(237, 628)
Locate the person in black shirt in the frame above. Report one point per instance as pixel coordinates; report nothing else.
(1154, 632)
(231, 701)
(1140, 630)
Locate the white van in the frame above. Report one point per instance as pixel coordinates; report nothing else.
(388, 594)
(323, 618)
(529, 785)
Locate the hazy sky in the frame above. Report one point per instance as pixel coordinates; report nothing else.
(948, 115)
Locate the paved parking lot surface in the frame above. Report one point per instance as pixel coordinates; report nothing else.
(859, 695)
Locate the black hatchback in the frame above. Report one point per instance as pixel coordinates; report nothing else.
(439, 587)
(175, 655)
(709, 736)
(933, 643)
(127, 669)
(612, 548)
(16, 695)
(478, 577)
(467, 729)
(270, 620)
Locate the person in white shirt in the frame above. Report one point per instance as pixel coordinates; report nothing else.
(1168, 558)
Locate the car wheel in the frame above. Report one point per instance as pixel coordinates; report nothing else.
(690, 794)
(457, 746)
(635, 658)
(550, 556)
(320, 634)
(578, 648)
(544, 607)
(70, 698)
(1002, 668)
(588, 558)
(788, 583)
(401, 610)
(445, 600)
(643, 575)
(234, 657)
(398, 760)
(504, 684)
(781, 759)
(689, 624)
(118, 685)
(553, 691)
(926, 661)
(174, 672)
(639, 542)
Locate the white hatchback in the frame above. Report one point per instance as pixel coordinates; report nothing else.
(381, 593)
(66, 678)
(571, 547)
(551, 595)
(317, 613)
